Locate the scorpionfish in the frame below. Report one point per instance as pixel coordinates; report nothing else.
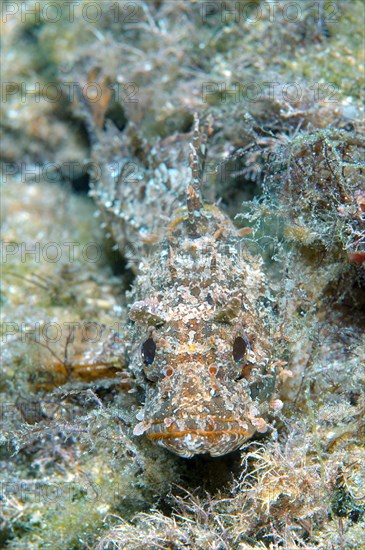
(199, 343)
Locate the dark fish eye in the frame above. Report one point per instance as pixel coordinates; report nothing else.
(148, 350)
(240, 347)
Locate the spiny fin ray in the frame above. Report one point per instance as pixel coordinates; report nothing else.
(197, 161)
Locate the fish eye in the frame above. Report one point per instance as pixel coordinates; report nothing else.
(148, 350)
(241, 345)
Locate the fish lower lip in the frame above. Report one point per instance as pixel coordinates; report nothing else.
(207, 428)
(201, 433)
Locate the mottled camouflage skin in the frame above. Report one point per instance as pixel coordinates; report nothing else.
(198, 299)
(194, 299)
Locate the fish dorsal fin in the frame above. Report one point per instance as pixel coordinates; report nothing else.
(197, 161)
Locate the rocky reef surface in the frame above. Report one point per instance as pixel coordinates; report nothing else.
(283, 84)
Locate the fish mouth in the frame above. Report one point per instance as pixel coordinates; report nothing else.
(211, 435)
